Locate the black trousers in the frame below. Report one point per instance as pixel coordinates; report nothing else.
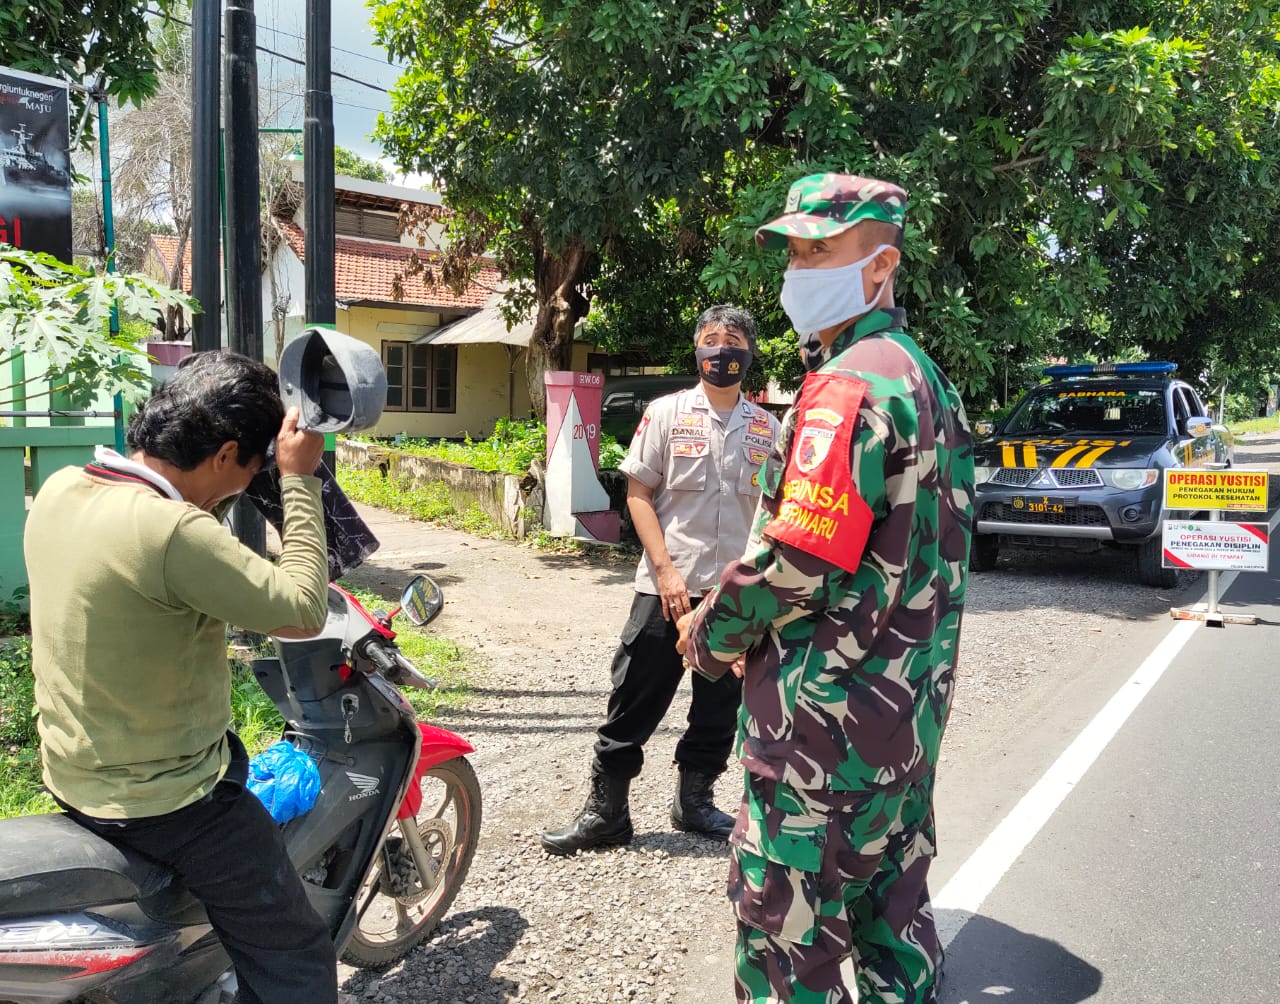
(227, 850)
(647, 670)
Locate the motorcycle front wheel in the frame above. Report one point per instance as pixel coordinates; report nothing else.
(395, 909)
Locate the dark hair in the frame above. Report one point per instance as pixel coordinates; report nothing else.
(730, 317)
(213, 398)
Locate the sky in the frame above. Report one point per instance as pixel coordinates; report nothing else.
(282, 27)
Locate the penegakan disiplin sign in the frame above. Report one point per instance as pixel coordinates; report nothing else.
(35, 163)
(1213, 545)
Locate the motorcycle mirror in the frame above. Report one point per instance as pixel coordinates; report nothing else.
(423, 599)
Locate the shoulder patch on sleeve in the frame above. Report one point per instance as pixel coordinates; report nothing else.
(821, 512)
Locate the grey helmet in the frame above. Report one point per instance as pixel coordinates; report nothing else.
(337, 382)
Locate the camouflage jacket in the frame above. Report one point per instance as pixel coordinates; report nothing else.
(849, 596)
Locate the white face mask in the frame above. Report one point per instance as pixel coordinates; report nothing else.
(819, 298)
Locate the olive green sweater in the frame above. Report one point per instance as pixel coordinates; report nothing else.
(131, 594)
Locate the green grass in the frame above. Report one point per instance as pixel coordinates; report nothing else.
(1271, 424)
(259, 724)
(254, 716)
(21, 793)
(432, 503)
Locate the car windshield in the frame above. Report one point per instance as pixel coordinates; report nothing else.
(1114, 409)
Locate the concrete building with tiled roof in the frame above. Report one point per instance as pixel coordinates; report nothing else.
(439, 385)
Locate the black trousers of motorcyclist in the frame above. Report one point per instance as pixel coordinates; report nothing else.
(231, 856)
(646, 673)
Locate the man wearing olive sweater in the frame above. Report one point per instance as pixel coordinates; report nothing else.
(133, 582)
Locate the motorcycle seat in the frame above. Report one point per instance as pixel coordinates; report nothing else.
(52, 865)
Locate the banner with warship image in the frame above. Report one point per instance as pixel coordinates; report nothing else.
(35, 164)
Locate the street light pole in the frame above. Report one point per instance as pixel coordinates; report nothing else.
(206, 90)
(244, 220)
(317, 184)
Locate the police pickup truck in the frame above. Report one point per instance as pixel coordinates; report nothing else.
(1079, 463)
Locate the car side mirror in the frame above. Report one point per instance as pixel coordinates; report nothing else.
(1198, 425)
(423, 600)
(984, 427)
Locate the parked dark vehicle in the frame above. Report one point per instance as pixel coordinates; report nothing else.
(626, 397)
(1079, 463)
(382, 853)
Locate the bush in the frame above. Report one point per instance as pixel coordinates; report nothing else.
(21, 793)
(17, 694)
(512, 448)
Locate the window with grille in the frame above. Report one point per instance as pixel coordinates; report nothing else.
(420, 377)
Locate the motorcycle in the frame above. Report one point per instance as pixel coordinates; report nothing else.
(382, 852)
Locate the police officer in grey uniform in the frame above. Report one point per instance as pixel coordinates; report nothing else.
(693, 485)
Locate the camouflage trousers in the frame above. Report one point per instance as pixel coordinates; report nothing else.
(819, 876)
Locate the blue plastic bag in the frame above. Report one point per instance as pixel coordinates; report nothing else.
(285, 780)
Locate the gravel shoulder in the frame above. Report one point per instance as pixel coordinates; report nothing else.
(649, 923)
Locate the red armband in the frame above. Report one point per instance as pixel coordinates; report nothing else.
(820, 511)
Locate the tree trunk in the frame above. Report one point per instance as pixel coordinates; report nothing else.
(560, 305)
(174, 320)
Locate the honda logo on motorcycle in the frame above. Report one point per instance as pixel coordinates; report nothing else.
(364, 784)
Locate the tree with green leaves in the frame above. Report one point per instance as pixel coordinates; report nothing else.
(56, 316)
(546, 151)
(1085, 178)
(109, 40)
(353, 165)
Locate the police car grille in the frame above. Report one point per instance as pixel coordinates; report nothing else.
(1077, 515)
(1014, 477)
(1064, 477)
(1068, 477)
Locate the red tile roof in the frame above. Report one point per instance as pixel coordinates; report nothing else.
(363, 270)
(166, 248)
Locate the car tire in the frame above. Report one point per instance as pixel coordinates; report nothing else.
(1151, 570)
(984, 552)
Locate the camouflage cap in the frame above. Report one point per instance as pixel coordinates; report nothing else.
(823, 205)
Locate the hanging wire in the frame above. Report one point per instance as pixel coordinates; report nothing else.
(289, 59)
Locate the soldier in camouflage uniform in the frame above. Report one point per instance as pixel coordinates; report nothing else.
(843, 616)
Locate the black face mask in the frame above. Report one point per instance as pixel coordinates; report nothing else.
(722, 365)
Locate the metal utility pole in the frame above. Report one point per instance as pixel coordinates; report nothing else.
(244, 222)
(109, 237)
(206, 91)
(317, 168)
(317, 179)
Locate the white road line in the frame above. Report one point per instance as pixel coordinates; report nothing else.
(964, 894)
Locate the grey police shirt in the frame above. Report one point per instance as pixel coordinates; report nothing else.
(704, 475)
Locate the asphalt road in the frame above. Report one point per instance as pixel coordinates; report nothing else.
(1157, 878)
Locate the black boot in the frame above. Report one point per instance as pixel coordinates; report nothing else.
(693, 810)
(605, 821)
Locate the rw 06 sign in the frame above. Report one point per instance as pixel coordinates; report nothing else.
(1235, 547)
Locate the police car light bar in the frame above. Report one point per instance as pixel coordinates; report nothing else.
(1111, 369)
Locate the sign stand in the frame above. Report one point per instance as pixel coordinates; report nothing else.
(1215, 493)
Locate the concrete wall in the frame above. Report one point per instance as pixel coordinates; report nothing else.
(498, 495)
(504, 497)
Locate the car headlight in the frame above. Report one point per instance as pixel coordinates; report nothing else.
(981, 475)
(1129, 478)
